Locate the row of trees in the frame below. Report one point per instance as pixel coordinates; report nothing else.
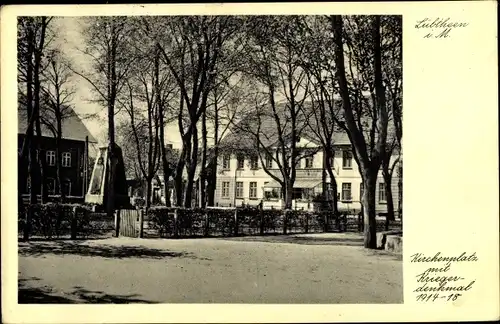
(209, 74)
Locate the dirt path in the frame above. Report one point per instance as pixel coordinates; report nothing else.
(320, 268)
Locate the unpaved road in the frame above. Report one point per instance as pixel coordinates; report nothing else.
(316, 268)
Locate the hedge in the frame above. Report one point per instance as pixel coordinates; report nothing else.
(53, 220)
(196, 222)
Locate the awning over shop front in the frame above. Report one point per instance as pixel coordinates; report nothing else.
(306, 183)
(299, 183)
(272, 185)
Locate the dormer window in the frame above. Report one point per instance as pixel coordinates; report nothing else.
(346, 160)
(254, 163)
(241, 162)
(309, 161)
(226, 159)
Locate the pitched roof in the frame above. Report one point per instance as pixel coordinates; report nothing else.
(243, 134)
(72, 125)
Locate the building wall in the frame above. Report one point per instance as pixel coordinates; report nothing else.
(74, 173)
(343, 175)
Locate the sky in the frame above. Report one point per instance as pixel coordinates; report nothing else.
(70, 40)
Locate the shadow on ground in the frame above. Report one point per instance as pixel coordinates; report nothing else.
(36, 249)
(45, 295)
(299, 239)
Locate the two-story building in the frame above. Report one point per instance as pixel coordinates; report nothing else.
(242, 178)
(74, 155)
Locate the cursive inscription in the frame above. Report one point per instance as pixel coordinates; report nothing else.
(438, 27)
(439, 281)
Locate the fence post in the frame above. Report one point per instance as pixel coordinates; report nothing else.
(117, 223)
(307, 223)
(236, 222)
(73, 223)
(141, 222)
(285, 220)
(176, 227)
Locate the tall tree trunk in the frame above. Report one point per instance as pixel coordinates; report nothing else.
(29, 135)
(288, 194)
(387, 174)
(111, 93)
(333, 181)
(161, 121)
(179, 170)
(149, 188)
(60, 181)
(193, 161)
(41, 163)
(212, 180)
(370, 225)
(203, 171)
(36, 97)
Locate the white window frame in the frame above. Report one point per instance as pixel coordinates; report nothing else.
(269, 162)
(226, 162)
(225, 189)
(239, 190)
(346, 187)
(254, 163)
(381, 193)
(252, 190)
(50, 158)
(66, 160)
(346, 160)
(240, 159)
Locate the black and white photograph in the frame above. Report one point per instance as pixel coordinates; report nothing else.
(252, 159)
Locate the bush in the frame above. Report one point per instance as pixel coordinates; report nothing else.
(250, 221)
(55, 220)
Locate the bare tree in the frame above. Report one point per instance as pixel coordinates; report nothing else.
(32, 42)
(57, 95)
(143, 111)
(275, 49)
(108, 46)
(320, 66)
(365, 122)
(191, 51)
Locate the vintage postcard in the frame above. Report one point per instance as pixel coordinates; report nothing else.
(244, 162)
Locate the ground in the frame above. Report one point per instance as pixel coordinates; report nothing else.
(314, 268)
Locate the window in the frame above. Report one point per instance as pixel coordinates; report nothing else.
(309, 162)
(225, 189)
(269, 162)
(346, 192)
(226, 162)
(51, 158)
(239, 189)
(253, 190)
(66, 159)
(241, 162)
(381, 193)
(347, 160)
(254, 163)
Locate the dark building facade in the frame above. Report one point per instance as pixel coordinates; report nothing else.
(73, 155)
